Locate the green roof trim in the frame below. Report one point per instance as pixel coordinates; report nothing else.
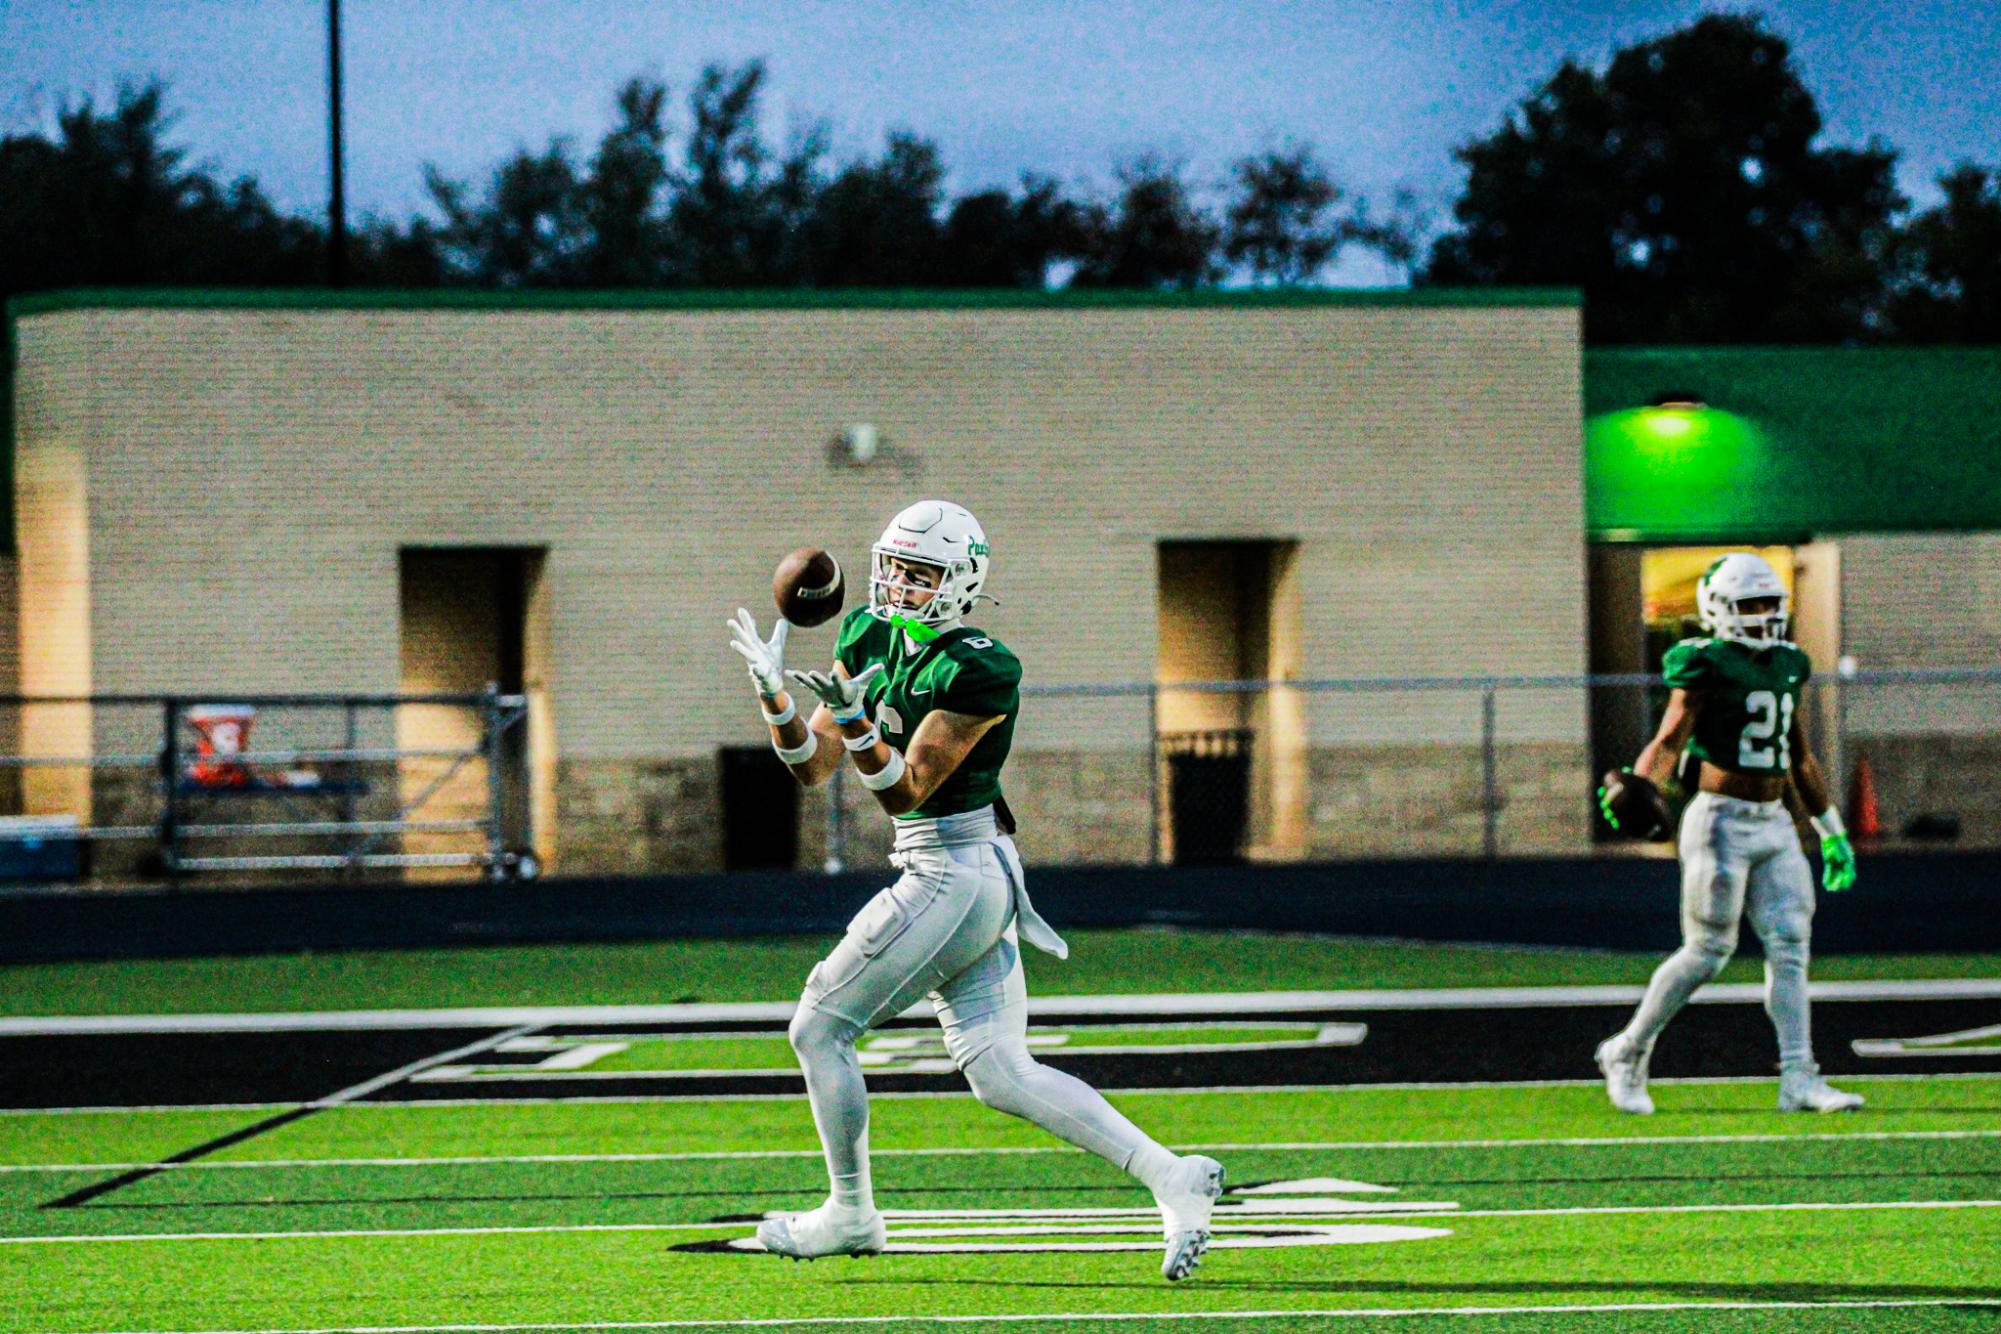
(541, 299)
(1793, 442)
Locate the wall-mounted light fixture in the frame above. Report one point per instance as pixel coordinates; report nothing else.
(1686, 400)
(859, 442)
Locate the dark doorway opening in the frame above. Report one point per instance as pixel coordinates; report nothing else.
(760, 810)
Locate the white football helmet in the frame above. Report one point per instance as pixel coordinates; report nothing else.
(1724, 589)
(935, 532)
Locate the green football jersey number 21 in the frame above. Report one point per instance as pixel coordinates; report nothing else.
(1766, 742)
(1748, 697)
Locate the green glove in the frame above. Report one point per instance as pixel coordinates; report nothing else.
(1837, 857)
(1605, 801)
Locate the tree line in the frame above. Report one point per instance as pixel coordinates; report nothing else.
(1683, 187)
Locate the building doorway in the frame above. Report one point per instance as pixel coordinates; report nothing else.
(474, 616)
(1233, 762)
(760, 825)
(1643, 603)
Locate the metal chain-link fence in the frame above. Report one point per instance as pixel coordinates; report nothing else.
(148, 788)
(1245, 771)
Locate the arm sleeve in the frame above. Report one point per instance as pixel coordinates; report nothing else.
(984, 686)
(1686, 666)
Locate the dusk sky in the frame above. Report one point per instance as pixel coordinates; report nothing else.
(1384, 89)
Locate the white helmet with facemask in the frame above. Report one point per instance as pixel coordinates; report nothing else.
(932, 532)
(1727, 585)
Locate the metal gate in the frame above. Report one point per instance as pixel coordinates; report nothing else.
(329, 784)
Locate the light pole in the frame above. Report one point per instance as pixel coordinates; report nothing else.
(337, 207)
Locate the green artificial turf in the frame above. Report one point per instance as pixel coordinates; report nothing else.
(567, 1214)
(1356, 1114)
(344, 1245)
(772, 969)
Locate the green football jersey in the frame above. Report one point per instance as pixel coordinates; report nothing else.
(961, 671)
(1749, 696)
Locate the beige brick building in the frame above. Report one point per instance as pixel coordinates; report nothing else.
(221, 495)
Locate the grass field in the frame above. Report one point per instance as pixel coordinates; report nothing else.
(772, 968)
(1474, 1208)
(571, 1214)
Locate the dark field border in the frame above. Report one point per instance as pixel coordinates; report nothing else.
(1906, 903)
(1435, 1046)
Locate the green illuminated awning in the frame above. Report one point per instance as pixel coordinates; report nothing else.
(1791, 442)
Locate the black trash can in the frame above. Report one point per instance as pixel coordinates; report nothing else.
(1209, 794)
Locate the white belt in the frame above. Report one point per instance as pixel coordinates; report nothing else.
(914, 837)
(1744, 805)
(947, 831)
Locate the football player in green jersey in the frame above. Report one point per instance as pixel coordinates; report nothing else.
(1734, 707)
(924, 707)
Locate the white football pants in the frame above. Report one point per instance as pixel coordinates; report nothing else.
(1738, 858)
(946, 929)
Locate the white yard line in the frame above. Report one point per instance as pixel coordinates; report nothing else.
(538, 1228)
(1248, 1146)
(777, 1012)
(524, 1229)
(1317, 1313)
(1796, 1206)
(1587, 1142)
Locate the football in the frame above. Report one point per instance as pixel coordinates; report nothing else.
(807, 586)
(1643, 812)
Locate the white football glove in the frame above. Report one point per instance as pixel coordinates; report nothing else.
(844, 695)
(765, 656)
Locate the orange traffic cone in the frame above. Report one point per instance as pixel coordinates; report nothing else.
(1864, 820)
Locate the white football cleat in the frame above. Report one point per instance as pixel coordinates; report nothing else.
(828, 1230)
(1803, 1090)
(1625, 1077)
(1185, 1206)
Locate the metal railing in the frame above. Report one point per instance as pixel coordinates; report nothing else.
(1134, 773)
(348, 783)
(1486, 766)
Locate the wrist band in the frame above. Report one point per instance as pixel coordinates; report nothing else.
(1828, 823)
(779, 719)
(866, 741)
(886, 776)
(800, 753)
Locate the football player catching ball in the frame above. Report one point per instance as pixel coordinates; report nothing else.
(1734, 706)
(924, 707)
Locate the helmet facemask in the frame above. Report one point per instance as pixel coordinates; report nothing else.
(1725, 590)
(1758, 629)
(940, 611)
